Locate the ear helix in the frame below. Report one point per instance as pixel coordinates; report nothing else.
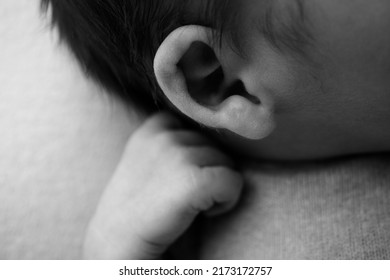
(170, 77)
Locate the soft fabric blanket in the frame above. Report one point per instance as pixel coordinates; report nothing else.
(333, 210)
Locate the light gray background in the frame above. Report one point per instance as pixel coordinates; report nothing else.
(60, 138)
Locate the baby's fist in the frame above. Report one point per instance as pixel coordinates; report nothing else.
(166, 177)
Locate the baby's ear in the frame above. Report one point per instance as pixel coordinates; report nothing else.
(191, 74)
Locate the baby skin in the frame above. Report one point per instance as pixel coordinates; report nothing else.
(167, 176)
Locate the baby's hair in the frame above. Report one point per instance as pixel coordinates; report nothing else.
(115, 41)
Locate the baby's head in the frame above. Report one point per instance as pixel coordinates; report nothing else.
(288, 79)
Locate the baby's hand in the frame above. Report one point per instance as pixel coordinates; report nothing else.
(166, 177)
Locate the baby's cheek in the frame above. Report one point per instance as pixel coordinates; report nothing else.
(276, 78)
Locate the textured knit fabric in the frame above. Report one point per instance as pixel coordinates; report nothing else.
(334, 210)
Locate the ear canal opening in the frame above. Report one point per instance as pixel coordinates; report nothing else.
(238, 88)
(205, 78)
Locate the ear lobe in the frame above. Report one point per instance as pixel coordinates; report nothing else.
(212, 104)
(245, 118)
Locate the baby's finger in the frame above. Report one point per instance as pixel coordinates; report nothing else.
(191, 138)
(207, 156)
(160, 122)
(219, 187)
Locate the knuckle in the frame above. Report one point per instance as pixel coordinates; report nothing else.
(156, 117)
(195, 178)
(166, 144)
(156, 121)
(164, 139)
(181, 156)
